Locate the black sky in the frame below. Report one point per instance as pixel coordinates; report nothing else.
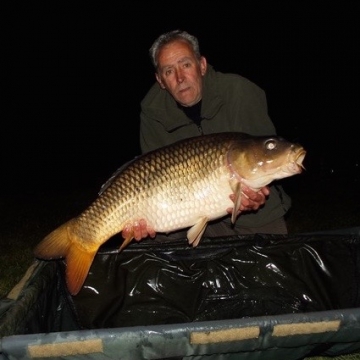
(75, 74)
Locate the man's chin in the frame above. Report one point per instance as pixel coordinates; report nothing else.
(186, 102)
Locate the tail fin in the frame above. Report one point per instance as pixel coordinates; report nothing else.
(62, 243)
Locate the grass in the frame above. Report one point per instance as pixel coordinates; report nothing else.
(28, 214)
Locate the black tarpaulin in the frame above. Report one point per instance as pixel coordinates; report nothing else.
(221, 279)
(254, 295)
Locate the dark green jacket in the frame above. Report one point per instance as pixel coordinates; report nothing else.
(230, 102)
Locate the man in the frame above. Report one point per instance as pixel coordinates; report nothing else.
(190, 98)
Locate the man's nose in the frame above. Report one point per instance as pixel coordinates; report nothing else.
(179, 76)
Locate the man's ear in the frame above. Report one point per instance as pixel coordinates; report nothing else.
(203, 65)
(158, 79)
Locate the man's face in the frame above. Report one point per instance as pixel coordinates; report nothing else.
(180, 72)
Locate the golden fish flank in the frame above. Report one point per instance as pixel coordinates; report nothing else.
(183, 185)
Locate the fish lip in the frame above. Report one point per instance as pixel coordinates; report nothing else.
(300, 159)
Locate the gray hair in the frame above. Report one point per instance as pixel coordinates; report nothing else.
(167, 38)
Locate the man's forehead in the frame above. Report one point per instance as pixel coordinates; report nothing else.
(175, 48)
(174, 56)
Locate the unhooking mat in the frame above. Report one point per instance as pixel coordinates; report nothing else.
(262, 297)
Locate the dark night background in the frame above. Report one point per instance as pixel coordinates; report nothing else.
(74, 76)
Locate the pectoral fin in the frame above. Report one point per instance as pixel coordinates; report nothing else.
(237, 202)
(126, 242)
(196, 232)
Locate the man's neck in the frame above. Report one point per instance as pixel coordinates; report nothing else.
(192, 112)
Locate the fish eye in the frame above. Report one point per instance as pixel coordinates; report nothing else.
(270, 144)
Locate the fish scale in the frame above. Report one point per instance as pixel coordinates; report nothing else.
(188, 201)
(174, 180)
(183, 185)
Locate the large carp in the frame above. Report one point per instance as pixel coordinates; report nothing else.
(183, 185)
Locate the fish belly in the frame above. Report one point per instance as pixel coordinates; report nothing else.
(180, 204)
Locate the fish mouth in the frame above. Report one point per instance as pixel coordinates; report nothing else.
(299, 159)
(295, 164)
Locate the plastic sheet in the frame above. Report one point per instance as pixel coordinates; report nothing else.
(221, 279)
(259, 297)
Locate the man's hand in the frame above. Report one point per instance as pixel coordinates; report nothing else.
(250, 201)
(139, 229)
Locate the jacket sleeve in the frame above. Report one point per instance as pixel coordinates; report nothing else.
(152, 133)
(149, 133)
